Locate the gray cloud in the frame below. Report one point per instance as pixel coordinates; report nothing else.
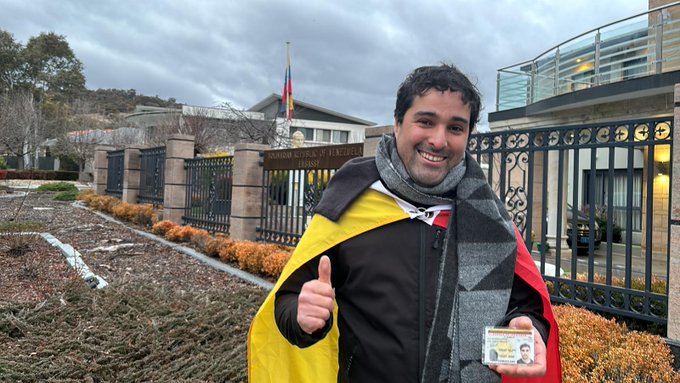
(349, 56)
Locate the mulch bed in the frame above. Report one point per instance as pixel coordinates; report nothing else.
(164, 316)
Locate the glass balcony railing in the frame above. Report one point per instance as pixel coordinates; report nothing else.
(637, 46)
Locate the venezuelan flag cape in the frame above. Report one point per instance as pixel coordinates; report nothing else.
(272, 359)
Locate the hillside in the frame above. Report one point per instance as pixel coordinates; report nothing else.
(112, 101)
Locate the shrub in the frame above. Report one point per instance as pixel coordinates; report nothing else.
(200, 240)
(162, 227)
(273, 264)
(142, 214)
(122, 211)
(104, 203)
(228, 253)
(216, 245)
(86, 196)
(249, 255)
(3, 163)
(57, 187)
(42, 175)
(595, 349)
(182, 233)
(256, 261)
(66, 196)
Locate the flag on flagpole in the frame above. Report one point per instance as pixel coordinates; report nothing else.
(287, 94)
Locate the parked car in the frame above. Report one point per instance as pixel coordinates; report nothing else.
(583, 231)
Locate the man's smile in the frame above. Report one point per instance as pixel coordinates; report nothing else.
(431, 157)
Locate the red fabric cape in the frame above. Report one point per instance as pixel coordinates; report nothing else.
(526, 269)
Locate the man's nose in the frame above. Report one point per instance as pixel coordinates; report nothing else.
(437, 138)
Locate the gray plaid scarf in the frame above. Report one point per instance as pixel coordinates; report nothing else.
(476, 273)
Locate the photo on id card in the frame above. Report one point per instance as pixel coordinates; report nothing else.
(504, 345)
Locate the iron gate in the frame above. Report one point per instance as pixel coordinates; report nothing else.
(293, 180)
(208, 195)
(593, 184)
(152, 176)
(114, 177)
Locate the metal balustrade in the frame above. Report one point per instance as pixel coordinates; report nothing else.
(637, 46)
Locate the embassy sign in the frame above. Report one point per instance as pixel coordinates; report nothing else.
(318, 157)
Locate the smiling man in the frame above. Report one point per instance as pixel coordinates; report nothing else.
(409, 256)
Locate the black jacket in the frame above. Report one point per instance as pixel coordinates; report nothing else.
(385, 285)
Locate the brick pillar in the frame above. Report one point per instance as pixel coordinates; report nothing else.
(178, 148)
(131, 169)
(246, 191)
(373, 136)
(101, 168)
(674, 266)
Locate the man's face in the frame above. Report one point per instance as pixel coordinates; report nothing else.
(433, 136)
(525, 352)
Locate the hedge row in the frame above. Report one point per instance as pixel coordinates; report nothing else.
(140, 214)
(263, 259)
(58, 175)
(258, 258)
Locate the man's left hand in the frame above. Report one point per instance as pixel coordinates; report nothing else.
(526, 371)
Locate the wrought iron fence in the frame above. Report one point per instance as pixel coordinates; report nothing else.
(208, 196)
(114, 178)
(293, 181)
(574, 192)
(152, 176)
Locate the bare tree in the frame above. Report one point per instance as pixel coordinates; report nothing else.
(78, 145)
(246, 128)
(209, 126)
(216, 129)
(158, 135)
(19, 122)
(123, 137)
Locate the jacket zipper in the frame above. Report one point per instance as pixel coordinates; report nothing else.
(436, 243)
(421, 298)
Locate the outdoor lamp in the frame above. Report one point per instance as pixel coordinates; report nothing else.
(662, 168)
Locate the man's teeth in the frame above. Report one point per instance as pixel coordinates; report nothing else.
(432, 157)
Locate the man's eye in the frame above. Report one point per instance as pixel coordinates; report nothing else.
(455, 128)
(425, 122)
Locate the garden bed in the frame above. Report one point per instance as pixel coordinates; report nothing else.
(164, 316)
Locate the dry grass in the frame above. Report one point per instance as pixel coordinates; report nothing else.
(128, 334)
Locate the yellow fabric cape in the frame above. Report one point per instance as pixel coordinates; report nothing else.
(270, 357)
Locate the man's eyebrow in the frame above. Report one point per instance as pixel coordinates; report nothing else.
(425, 113)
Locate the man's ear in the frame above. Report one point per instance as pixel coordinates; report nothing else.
(396, 127)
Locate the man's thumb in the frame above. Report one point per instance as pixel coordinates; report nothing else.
(325, 269)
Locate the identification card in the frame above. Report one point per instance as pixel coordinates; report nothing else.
(504, 345)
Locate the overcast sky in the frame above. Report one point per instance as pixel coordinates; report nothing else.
(347, 55)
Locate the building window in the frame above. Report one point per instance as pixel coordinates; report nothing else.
(582, 80)
(634, 68)
(340, 137)
(619, 197)
(309, 133)
(323, 135)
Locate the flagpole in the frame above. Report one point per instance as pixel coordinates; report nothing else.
(287, 122)
(289, 87)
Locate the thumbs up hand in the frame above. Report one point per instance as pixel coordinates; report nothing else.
(315, 302)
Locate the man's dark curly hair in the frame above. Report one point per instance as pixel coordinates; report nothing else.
(444, 77)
